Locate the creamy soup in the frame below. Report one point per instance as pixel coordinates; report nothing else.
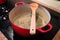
(24, 21)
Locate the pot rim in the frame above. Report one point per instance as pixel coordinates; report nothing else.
(44, 9)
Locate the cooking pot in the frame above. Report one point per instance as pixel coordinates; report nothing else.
(19, 9)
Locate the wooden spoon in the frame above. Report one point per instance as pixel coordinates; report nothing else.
(33, 6)
(52, 4)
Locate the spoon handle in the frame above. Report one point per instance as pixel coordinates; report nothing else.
(33, 23)
(33, 6)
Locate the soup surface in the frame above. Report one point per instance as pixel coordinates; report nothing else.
(25, 20)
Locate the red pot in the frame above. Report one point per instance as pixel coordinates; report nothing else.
(25, 32)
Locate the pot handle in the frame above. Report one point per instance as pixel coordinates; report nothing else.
(18, 3)
(45, 31)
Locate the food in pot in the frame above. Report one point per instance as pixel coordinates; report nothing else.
(23, 21)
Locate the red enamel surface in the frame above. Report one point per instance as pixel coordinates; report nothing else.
(2, 1)
(18, 3)
(21, 31)
(45, 31)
